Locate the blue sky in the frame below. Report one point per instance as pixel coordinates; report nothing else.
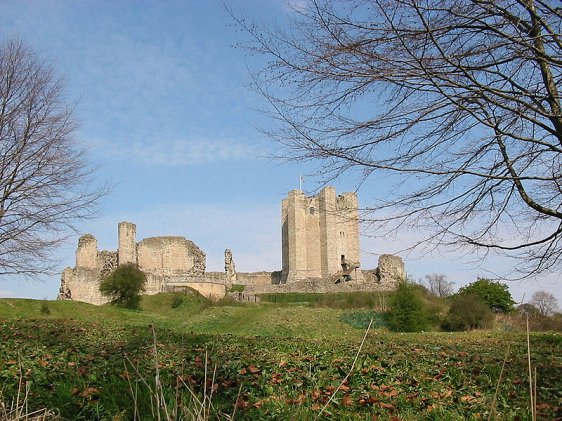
(165, 112)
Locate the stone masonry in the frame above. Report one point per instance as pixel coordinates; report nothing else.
(320, 253)
(320, 236)
(168, 262)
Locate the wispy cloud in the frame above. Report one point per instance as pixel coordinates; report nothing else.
(177, 153)
(295, 5)
(251, 230)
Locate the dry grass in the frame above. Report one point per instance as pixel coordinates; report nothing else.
(17, 410)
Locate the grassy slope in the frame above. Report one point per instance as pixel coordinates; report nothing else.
(196, 314)
(76, 356)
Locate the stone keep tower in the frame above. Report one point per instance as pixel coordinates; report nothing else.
(320, 236)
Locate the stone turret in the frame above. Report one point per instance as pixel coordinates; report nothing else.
(127, 251)
(87, 252)
(229, 268)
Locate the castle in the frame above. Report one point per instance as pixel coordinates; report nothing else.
(320, 253)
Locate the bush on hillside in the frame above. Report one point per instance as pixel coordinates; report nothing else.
(467, 312)
(495, 294)
(361, 319)
(124, 286)
(176, 301)
(537, 321)
(45, 309)
(408, 312)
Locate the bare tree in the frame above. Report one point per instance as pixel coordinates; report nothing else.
(545, 302)
(45, 182)
(456, 100)
(439, 285)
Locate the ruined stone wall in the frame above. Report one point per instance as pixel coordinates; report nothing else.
(81, 284)
(390, 270)
(171, 255)
(316, 286)
(257, 278)
(206, 289)
(218, 277)
(163, 259)
(107, 263)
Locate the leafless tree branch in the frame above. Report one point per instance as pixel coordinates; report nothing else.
(456, 100)
(45, 182)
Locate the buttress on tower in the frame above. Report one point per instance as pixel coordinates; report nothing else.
(320, 236)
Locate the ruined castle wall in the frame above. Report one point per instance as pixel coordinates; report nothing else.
(256, 278)
(107, 263)
(243, 278)
(219, 277)
(87, 252)
(390, 270)
(317, 286)
(155, 283)
(171, 255)
(81, 284)
(206, 289)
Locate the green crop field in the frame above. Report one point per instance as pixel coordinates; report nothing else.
(183, 357)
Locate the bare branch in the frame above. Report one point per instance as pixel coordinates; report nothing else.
(45, 183)
(457, 101)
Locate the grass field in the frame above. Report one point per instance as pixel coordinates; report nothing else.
(182, 357)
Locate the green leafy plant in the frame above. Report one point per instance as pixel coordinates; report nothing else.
(44, 309)
(468, 311)
(361, 319)
(176, 301)
(495, 294)
(237, 288)
(408, 312)
(342, 300)
(124, 286)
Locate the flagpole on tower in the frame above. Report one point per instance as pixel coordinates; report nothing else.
(300, 182)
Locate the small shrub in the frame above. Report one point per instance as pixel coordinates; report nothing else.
(537, 321)
(361, 319)
(408, 312)
(340, 300)
(44, 309)
(237, 288)
(124, 286)
(467, 312)
(495, 294)
(176, 301)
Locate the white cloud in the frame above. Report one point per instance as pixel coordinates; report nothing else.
(178, 153)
